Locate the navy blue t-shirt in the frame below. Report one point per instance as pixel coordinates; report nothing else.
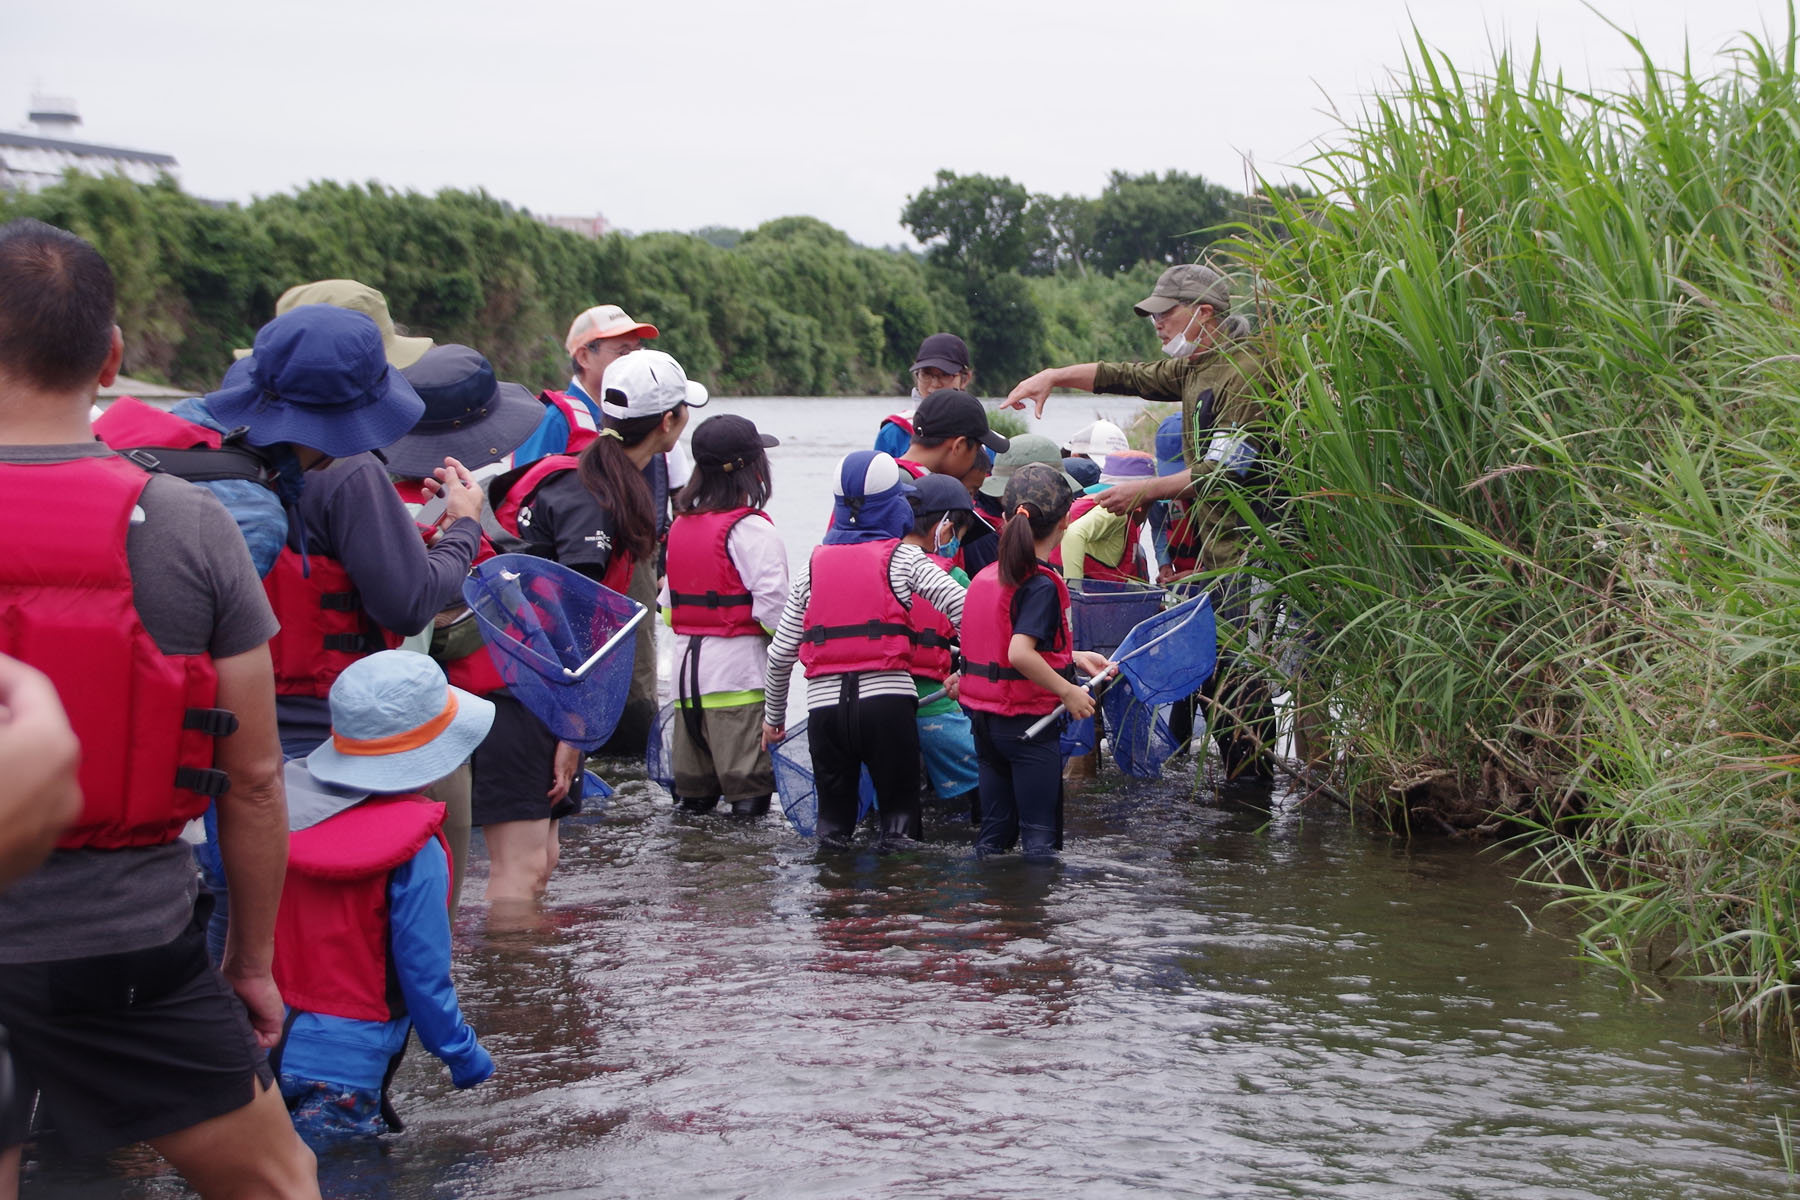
(1037, 610)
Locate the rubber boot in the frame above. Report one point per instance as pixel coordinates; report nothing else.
(697, 804)
(754, 806)
(900, 830)
(970, 800)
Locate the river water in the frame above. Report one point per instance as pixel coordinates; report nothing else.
(1201, 1000)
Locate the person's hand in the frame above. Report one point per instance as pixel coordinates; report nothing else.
(1035, 389)
(462, 495)
(263, 1001)
(40, 792)
(563, 766)
(953, 686)
(1121, 498)
(1093, 664)
(772, 734)
(1077, 701)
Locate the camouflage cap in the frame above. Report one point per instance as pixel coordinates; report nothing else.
(1189, 283)
(1040, 485)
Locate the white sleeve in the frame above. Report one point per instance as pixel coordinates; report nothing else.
(757, 551)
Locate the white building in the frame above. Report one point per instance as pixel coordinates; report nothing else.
(33, 160)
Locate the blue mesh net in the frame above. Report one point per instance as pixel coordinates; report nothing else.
(544, 625)
(659, 754)
(1102, 613)
(1170, 655)
(792, 757)
(1077, 738)
(1141, 741)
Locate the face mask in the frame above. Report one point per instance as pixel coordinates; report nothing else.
(945, 549)
(1179, 346)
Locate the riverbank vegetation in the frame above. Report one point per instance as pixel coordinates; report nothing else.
(793, 307)
(1541, 404)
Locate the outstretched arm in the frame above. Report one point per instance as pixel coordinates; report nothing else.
(1036, 389)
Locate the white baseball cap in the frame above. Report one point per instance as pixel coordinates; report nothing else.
(1100, 438)
(646, 383)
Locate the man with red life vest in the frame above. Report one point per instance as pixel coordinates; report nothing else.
(354, 576)
(475, 419)
(362, 945)
(140, 603)
(1214, 370)
(38, 757)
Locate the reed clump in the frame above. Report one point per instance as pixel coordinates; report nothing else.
(1539, 402)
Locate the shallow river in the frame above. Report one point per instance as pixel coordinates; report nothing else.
(1201, 1000)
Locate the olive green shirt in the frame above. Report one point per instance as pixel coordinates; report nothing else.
(1218, 384)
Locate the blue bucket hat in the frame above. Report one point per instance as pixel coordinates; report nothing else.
(1171, 447)
(318, 376)
(397, 725)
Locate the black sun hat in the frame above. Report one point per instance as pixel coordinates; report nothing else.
(469, 415)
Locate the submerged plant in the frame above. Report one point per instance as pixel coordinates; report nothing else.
(1539, 401)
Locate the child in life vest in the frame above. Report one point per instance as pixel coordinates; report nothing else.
(849, 621)
(726, 585)
(362, 938)
(945, 742)
(1104, 545)
(1017, 666)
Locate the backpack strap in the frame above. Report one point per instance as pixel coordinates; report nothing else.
(235, 458)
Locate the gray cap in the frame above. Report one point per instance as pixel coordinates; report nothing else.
(1026, 448)
(1189, 283)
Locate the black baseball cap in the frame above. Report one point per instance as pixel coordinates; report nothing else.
(728, 440)
(943, 352)
(952, 413)
(940, 493)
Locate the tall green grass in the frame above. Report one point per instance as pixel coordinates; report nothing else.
(1540, 400)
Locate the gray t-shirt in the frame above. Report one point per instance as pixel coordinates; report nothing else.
(195, 591)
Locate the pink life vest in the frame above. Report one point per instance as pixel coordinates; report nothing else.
(331, 932)
(707, 595)
(855, 622)
(1130, 569)
(145, 719)
(990, 683)
(518, 496)
(933, 633)
(129, 422)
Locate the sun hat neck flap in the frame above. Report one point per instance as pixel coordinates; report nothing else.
(397, 725)
(870, 503)
(318, 377)
(311, 800)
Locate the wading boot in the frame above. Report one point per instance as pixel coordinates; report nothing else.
(697, 804)
(755, 806)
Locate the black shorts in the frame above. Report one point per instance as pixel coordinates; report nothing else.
(514, 766)
(128, 1047)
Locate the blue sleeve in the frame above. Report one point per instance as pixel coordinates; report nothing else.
(891, 439)
(419, 932)
(550, 437)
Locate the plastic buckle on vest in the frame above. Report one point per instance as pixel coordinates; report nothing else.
(140, 457)
(208, 781)
(340, 601)
(214, 722)
(348, 643)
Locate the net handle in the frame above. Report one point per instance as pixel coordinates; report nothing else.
(593, 660)
(1112, 674)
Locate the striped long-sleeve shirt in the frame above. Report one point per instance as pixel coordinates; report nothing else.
(909, 571)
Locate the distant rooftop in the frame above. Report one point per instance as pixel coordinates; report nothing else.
(38, 158)
(26, 141)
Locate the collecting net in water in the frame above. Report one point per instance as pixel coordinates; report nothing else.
(564, 645)
(792, 757)
(1141, 741)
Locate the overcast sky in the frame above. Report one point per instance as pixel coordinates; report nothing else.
(685, 113)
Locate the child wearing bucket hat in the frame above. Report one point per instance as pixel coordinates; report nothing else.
(1103, 545)
(849, 622)
(727, 583)
(362, 939)
(1018, 661)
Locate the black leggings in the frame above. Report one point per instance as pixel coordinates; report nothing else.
(1021, 785)
(881, 733)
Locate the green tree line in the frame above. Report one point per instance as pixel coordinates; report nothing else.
(791, 307)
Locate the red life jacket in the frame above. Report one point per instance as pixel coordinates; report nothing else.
(519, 495)
(855, 622)
(475, 671)
(911, 468)
(990, 683)
(1183, 533)
(145, 719)
(576, 415)
(707, 594)
(323, 626)
(129, 422)
(1093, 568)
(331, 932)
(903, 420)
(933, 633)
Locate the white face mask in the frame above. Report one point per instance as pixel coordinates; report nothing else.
(1179, 346)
